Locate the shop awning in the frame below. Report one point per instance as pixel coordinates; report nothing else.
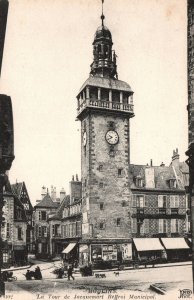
(69, 248)
(174, 243)
(83, 248)
(148, 244)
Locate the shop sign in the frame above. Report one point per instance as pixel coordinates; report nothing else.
(127, 251)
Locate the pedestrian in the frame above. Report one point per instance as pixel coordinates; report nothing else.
(69, 272)
(37, 273)
(28, 275)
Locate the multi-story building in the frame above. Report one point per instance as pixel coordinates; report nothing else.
(14, 229)
(65, 225)
(19, 189)
(42, 210)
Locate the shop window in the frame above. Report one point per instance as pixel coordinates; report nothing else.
(102, 226)
(118, 221)
(101, 206)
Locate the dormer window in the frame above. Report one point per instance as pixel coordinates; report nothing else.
(172, 183)
(139, 182)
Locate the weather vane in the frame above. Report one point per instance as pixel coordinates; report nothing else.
(102, 16)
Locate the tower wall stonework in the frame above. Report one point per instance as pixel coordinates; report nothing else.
(102, 186)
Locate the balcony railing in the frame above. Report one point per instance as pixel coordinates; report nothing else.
(162, 211)
(105, 105)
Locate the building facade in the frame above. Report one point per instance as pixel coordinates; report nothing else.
(42, 210)
(14, 230)
(19, 189)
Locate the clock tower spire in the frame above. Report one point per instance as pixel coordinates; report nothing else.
(104, 58)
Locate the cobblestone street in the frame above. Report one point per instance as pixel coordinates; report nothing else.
(171, 279)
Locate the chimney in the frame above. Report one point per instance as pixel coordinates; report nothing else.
(150, 176)
(43, 192)
(175, 157)
(75, 190)
(62, 194)
(53, 193)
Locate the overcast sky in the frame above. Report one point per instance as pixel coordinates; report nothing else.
(48, 52)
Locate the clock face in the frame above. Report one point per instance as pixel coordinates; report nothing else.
(84, 138)
(112, 137)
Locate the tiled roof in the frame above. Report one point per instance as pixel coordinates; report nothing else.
(47, 202)
(17, 188)
(65, 202)
(108, 83)
(162, 175)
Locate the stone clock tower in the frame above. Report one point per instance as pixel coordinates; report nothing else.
(105, 106)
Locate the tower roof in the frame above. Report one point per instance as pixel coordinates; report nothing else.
(102, 32)
(109, 83)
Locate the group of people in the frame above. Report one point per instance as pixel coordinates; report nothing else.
(36, 274)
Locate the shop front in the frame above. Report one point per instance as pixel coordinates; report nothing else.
(110, 255)
(20, 255)
(84, 255)
(70, 254)
(176, 248)
(148, 250)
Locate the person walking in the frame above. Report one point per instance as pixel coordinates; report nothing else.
(70, 272)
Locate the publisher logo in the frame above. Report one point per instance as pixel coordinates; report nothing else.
(185, 293)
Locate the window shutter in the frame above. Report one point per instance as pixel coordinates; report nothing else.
(134, 201)
(160, 200)
(146, 201)
(176, 201)
(161, 221)
(172, 201)
(165, 226)
(177, 225)
(173, 225)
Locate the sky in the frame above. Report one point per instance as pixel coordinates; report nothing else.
(47, 57)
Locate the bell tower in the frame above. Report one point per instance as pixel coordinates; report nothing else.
(104, 107)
